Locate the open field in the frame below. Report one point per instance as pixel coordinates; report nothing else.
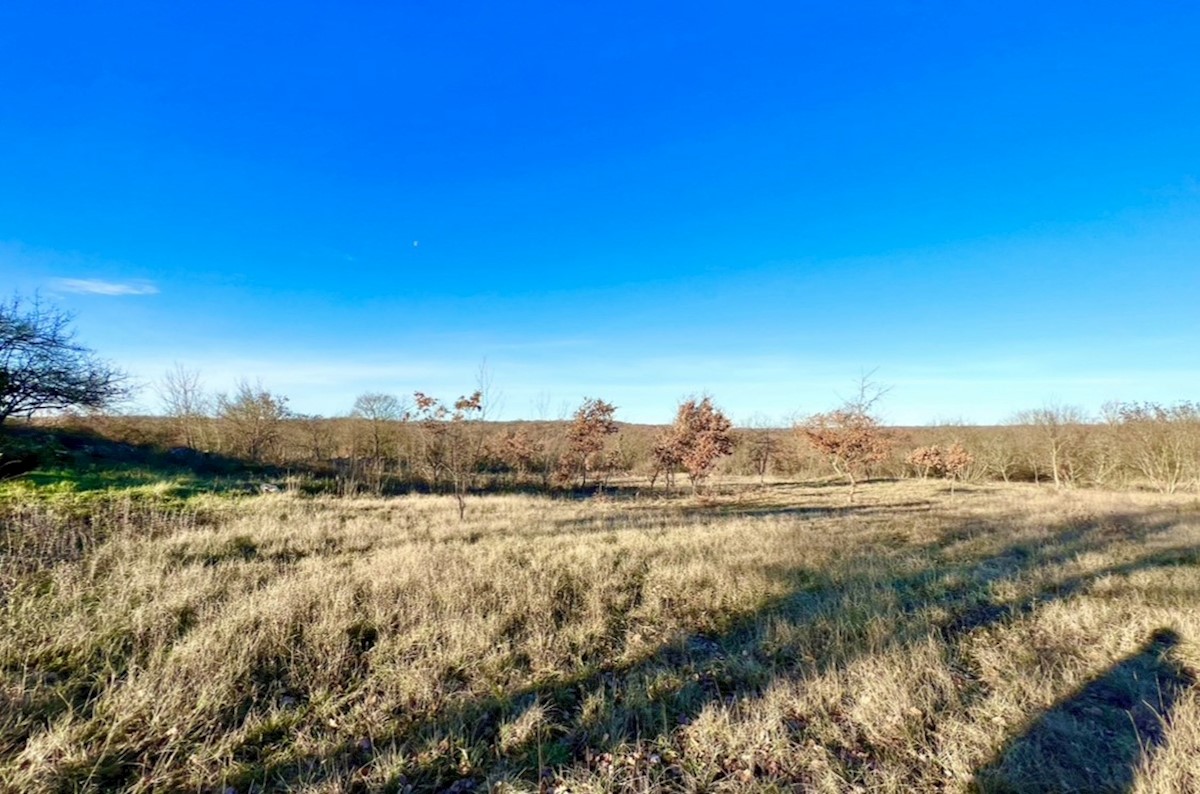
(1003, 638)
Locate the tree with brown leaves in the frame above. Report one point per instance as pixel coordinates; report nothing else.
(951, 463)
(518, 450)
(592, 424)
(451, 442)
(701, 435)
(926, 460)
(851, 437)
(956, 460)
(666, 456)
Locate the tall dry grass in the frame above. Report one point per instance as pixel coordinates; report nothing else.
(1003, 639)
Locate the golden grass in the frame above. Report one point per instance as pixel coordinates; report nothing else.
(762, 639)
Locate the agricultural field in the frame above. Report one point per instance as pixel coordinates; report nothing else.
(757, 637)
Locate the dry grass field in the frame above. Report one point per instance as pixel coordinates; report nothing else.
(1003, 638)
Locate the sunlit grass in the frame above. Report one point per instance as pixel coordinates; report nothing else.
(752, 639)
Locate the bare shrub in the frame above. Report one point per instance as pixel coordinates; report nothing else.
(1058, 435)
(251, 421)
(1161, 443)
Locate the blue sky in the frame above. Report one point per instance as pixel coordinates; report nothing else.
(992, 205)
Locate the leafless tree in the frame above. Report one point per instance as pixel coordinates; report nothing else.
(251, 420)
(380, 413)
(1160, 442)
(184, 401)
(43, 368)
(1059, 433)
(761, 445)
(318, 435)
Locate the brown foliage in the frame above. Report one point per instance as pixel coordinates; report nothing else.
(926, 460)
(666, 455)
(592, 424)
(951, 462)
(850, 439)
(700, 436)
(518, 450)
(451, 444)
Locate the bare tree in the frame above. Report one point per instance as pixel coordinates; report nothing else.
(1161, 443)
(43, 368)
(252, 418)
(1058, 430)
(185, 402)
(761, 445)
(318, 435)
(380, 413)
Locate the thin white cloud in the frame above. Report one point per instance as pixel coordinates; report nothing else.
(95, 286)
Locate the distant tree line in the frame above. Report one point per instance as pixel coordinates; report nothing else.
(388, 443)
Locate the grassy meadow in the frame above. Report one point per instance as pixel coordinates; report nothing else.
(758, 638)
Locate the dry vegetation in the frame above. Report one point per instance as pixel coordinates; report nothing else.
(1005, 638)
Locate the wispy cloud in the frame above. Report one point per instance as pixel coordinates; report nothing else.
(95, 286)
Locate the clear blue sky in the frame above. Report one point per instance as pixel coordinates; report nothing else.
(995, 204)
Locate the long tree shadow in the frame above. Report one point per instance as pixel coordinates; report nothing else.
(674, 684)
(652, 695)
(1094, 739)
(605, 703)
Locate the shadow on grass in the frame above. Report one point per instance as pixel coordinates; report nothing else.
(602, 707)
(1094, 739)
(611, 699)
(85, 460)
